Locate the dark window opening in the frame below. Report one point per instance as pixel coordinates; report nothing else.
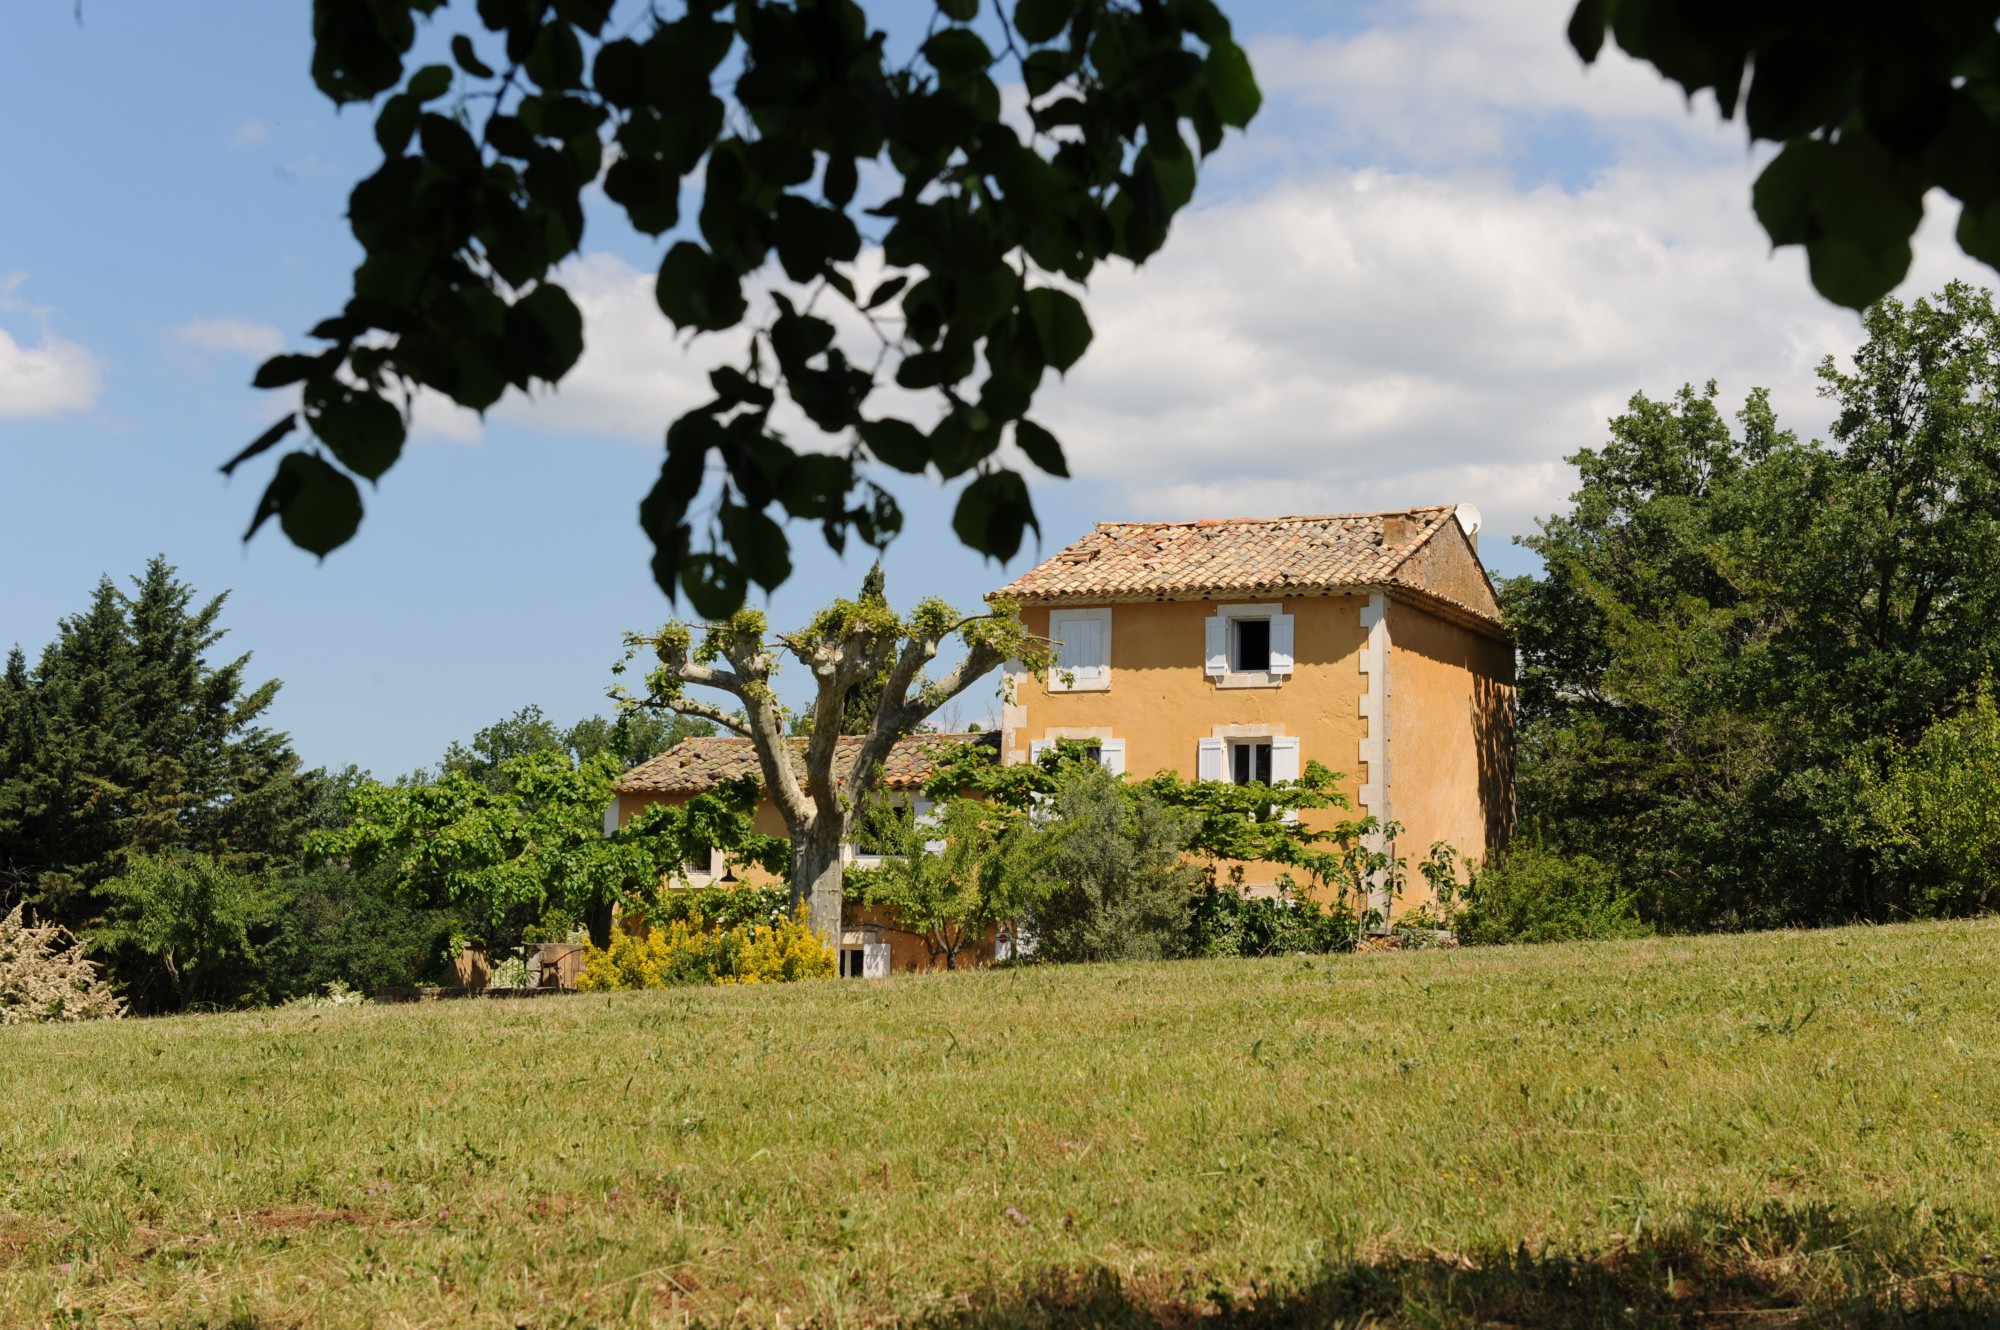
(1095, 754)
(851, 962)
(1253, 646)
(1251, 763)
(700, 858)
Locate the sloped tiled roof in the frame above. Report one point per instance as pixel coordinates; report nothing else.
(1220, 557)
(693, 766)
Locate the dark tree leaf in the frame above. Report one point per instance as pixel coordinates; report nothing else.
(545, 331)
(1041, 447)
(262, 443)
(1060, 324)
(897, 443)
(697, 292)
(316, 505)
(1043, 20)
(468, 59)
(993, 513)
(359, 428)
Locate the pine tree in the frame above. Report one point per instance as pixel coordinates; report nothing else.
(123, 738)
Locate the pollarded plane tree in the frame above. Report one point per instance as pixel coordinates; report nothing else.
(848, 645)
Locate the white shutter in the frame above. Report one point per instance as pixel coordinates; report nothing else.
(611, 817)
(874, 960)
(1218, 645)
(1036, 747)
(1281, 651)
(1208, 760)
(1285, 766)
(1083, 650)
(1111, 752)
(1284, 759)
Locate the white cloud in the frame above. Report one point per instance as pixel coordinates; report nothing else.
(1444, 82)
(250, 134)
(239, 337)
(50, 377)
(1368, 338)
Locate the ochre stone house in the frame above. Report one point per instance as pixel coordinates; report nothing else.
(1235, 650)
(1242, 649)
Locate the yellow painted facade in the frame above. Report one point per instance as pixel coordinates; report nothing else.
(1448, 703)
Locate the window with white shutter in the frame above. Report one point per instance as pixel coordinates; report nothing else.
(1281, 644)
(1284, 758)
(1208, 760)
(1248, 646)
(1083, 651)
(1285, 766)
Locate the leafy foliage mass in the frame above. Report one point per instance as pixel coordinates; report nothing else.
(530, 850)
(1740, 643)
(1875, 104)
(985, 222)
(1094, 867)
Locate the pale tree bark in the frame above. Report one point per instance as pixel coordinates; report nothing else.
(817, 802)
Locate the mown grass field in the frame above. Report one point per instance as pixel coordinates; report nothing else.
(1776, 1129)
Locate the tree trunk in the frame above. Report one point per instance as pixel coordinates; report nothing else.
(597, 919)
(816, 881)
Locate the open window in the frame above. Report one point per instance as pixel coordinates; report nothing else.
(1249, 760)
(1249, 646)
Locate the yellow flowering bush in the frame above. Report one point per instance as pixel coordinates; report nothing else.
(691, 950)
(780, 952)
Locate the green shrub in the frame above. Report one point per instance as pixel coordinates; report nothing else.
(1225, 920)
(1534, 895)
(181, 931)
(1930, 814)
(341, 927)
(1120, 890)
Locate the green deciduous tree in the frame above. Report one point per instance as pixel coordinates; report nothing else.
(1727, 618)
(184, 930)
(956, 875)
(812, 144)
(531, 848)
(630, 737)
(1875, 104)
(1931, 811)
(1121, 888)
(848, 644)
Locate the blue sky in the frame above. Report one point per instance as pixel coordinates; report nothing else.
(1443, 255)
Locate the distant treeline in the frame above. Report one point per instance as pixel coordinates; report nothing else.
(145, 807)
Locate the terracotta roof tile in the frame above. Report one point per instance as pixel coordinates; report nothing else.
(1219, 557)
(696, 765)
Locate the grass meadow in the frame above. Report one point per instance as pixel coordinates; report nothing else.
(1778, 1129)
